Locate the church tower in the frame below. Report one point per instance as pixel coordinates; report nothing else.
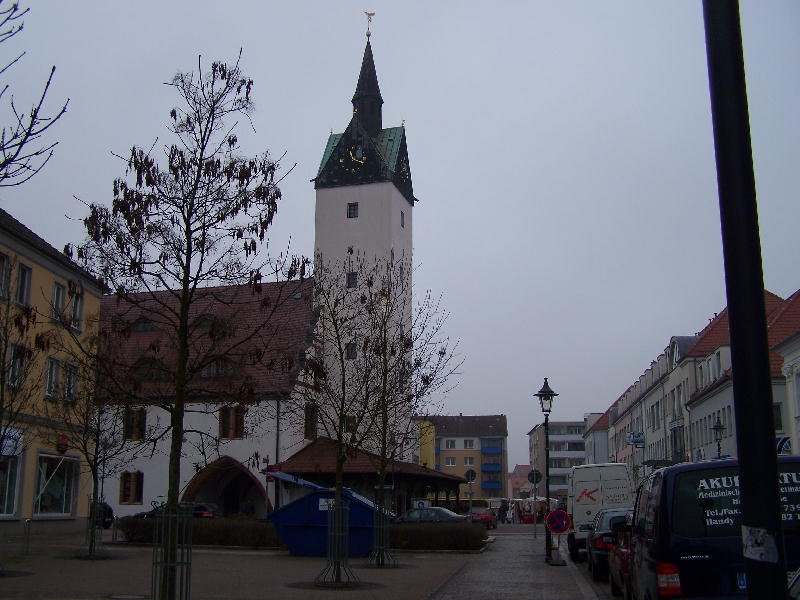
(364, 196)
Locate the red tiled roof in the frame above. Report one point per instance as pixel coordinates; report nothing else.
(320, 457)
(717, 334)
(781, 325)
(263, 337)
(602, 422)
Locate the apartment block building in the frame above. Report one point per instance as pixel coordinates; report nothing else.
(473, 442)
(567, 449)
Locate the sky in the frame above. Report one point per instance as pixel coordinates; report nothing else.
(562, 153)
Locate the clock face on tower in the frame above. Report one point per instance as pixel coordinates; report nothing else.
(357, 155)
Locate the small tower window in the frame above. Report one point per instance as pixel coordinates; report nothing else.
(402, 219)
(350, 351)
(352, 210)
(352, 279)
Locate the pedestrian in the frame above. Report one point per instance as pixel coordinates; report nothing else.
(510, 515)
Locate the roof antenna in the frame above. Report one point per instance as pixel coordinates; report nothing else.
(369, 22)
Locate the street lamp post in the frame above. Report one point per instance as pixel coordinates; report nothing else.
(546, 396)
(719, 430)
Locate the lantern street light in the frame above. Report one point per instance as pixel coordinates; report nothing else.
(719, 430)
(546, 396)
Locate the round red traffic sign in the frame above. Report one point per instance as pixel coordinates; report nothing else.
(557, 521)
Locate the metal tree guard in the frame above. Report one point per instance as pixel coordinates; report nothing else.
(381, 555)
(337, 573)
(171, 574)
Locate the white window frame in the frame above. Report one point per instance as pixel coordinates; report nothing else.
(52, 378)
(22, 295)
(70, 383)
(469, 461)
(450, 461)
(16, 366)
(450, 444)
(469, 444)
(5, 275)
(59, 301)
(77, 312)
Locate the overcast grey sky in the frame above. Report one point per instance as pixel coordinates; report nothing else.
(562, 153)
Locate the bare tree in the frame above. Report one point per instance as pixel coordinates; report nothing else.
(84, 410)
(23, 152)
(176, 230)
(378, 361)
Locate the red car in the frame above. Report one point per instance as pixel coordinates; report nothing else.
(619, 556)
(485, 516)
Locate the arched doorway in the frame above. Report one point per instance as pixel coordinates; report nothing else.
(230, 485)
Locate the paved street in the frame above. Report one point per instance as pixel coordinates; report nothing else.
(511, 567)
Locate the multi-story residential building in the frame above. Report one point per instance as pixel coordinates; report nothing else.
(712, 404)
(47, 305)
(668, 414)
(473, 442)
(567, 449)
(789, 351)
(595, 438)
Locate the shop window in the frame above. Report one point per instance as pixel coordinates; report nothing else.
(55, 488)
(8, 484)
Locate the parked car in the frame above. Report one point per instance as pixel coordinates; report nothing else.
(199, 510)
(202, 510)
(600, 540)
(485, 516)
(619, 555)
(431, 514)
(686, 534)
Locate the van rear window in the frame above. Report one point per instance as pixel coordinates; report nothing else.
(706, 502)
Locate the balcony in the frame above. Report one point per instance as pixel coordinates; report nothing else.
(491, 467)
(491, 450)
(491, 485)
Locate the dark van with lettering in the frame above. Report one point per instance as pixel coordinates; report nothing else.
(686, 530)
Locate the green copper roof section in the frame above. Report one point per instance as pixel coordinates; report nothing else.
(333, 139)
(387, 142)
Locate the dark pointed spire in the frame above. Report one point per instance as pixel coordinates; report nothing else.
(367, 101)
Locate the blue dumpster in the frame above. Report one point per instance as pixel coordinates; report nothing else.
(303, 523)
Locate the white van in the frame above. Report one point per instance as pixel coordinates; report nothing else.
(591, 488)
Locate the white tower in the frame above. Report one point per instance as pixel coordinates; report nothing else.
(364, 196)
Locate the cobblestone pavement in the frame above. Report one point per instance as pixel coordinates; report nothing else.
(511, 567)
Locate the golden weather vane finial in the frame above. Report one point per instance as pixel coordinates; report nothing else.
(369, 22)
